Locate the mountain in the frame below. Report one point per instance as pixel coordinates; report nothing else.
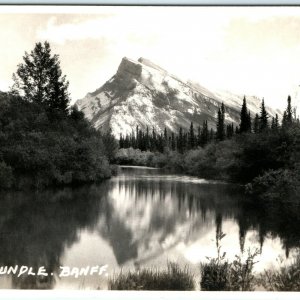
(143, 94)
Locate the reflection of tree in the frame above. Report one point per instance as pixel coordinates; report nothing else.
(277, 220)
(35, 228)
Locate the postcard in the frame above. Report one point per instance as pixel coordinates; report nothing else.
(150, 148)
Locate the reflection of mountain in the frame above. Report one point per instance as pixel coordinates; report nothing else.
(158, 214)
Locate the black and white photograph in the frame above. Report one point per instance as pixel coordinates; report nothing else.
(150, 148)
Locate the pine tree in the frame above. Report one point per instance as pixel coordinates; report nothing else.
(229, 131)
(173, 143)
(39, 79)
(191, 139)
(288, 114)
(263, 120)
(180, 143)
(276, 122)
(220, 123)
(199, 136)
(204, 134)
(249, 122)
(256, 124)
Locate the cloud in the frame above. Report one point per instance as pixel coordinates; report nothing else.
(244, 49)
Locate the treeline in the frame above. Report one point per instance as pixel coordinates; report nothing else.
(43, 140)
(161, 142)
(201, 136)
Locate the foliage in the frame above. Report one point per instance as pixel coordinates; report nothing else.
(286, 278)
(245, 125)
(43, 141)
(220, 134)
(172, 279)
(221, 275)
(39, 79)
(282, 184)
(42, 153)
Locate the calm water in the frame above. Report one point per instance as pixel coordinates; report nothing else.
(139, 218)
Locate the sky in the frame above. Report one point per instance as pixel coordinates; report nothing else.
(246, 50)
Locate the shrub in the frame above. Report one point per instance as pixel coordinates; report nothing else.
(275, 185)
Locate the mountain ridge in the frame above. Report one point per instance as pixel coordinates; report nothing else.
(143, 94)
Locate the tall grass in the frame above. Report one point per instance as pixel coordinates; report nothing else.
(173, 278)
(218, 274)
(286, 278)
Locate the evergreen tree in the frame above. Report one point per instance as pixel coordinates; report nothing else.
(256, 124)
(180, 143)
(191, 139)
(199, 136)
(263, 120)
(276, 122)
(121, 141)
(244, 117)
(288, 114)
(173, 142)
(166, 139)
(229, 131)
(249, 122)
(220, 123)
(39, 79)
(204, 134)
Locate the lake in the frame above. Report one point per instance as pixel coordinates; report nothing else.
(142, 217)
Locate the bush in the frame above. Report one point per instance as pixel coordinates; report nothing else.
(40, 148)
(280, 185)
(172, 279)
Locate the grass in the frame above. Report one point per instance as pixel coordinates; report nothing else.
(286, 278)
(173, 278)
(218, 274)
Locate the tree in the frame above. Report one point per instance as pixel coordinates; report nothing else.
(288, 114)
(263, 124)
(180, 142)
(275, 123)
(245, 125)
(39, 79)
(191, 137)
(220, 123)
(204, 134)
(256, 124)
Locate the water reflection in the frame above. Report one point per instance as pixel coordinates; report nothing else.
(139, 218)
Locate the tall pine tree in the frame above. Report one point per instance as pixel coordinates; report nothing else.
(263, 119)
(221, 123)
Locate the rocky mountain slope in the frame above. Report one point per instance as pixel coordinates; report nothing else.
(144, 94)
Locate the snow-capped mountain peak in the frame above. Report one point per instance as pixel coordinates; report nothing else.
(143, 94)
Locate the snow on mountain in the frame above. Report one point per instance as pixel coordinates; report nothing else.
(144, 94)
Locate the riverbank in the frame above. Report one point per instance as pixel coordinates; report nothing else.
(218, 274)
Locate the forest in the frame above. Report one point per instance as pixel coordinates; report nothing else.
(45, 141)
(261, 153)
